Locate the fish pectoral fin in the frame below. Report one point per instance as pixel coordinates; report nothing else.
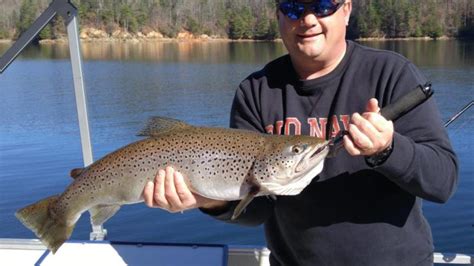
(241, 206)
(157, 125)
(101, 213)
(76, 172)
(245, 202)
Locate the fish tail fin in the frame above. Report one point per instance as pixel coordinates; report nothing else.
(37, 218)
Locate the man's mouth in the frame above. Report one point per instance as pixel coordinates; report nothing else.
(307, 36)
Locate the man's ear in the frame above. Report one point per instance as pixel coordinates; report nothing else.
(347, 9)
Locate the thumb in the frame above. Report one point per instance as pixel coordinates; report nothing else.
(373, 106)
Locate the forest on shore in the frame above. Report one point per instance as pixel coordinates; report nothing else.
(241, 19)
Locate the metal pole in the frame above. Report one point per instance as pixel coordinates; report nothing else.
(98, 232)
(27, 37)
(76, 62)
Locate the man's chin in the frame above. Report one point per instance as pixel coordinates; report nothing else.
(311, 48)
(311, 53)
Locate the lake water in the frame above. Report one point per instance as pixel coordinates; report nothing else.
(195, 82)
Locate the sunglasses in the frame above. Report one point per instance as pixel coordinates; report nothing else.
(321, 8)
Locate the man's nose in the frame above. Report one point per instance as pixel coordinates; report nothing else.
(309, 19)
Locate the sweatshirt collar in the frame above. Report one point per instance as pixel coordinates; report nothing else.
(317, 84)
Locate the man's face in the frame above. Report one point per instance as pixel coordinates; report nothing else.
(315, 38)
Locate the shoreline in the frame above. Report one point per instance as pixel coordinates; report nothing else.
(425, 38)
(204, 40)
(143, 40)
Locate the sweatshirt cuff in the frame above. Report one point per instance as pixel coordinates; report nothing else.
(399, 162)
(224, 213)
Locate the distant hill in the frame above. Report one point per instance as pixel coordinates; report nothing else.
(242, 19)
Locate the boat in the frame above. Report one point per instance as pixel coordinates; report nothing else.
(33, 252)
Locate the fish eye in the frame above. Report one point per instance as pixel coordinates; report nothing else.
(297, 149)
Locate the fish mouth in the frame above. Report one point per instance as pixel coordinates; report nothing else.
(305, 170)
(313, 157)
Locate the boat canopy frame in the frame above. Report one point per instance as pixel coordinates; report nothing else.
(68, 12)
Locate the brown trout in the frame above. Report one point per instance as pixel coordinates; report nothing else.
(218, 163)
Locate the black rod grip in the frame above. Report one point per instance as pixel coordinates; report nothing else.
(406, 103)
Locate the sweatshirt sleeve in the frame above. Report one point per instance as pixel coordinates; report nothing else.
(244, 115)
(245, 112)
(422, 161)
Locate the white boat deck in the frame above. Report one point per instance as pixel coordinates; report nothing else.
(19, 252)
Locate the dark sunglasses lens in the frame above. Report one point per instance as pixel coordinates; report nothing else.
(322, 8)
(292, 10)
(325, 8)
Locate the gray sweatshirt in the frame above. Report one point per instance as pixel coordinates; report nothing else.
(352, 213)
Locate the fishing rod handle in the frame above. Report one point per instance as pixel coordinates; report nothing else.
(406, 103)
(392, 112)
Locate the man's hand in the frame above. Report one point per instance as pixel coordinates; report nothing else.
(170, 192)
(370, 133)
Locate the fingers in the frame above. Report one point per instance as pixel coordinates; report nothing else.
(358, 142)
(361, 135)
(186, 197)
(373, 106)
(377, 121)
(363, 131)
(370, 133)
(172, 198)
(159, 193)
(169, 191)
(177, 193)
(153, 193)
(351, 147)
(148, 194)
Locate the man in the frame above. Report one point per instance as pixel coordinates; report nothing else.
(365, 207)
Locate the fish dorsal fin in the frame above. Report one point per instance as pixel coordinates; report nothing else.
(158, 125)
(76, 172)
(101, 213)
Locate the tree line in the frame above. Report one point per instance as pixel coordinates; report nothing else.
(243, 19)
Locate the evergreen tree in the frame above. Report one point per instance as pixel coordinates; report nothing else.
(46, 33)
(369, 21)
(262, 28)
(193, 26)
(3, 32)
(432, 26)
(273, 31)
(241, 24)
(27, 15)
